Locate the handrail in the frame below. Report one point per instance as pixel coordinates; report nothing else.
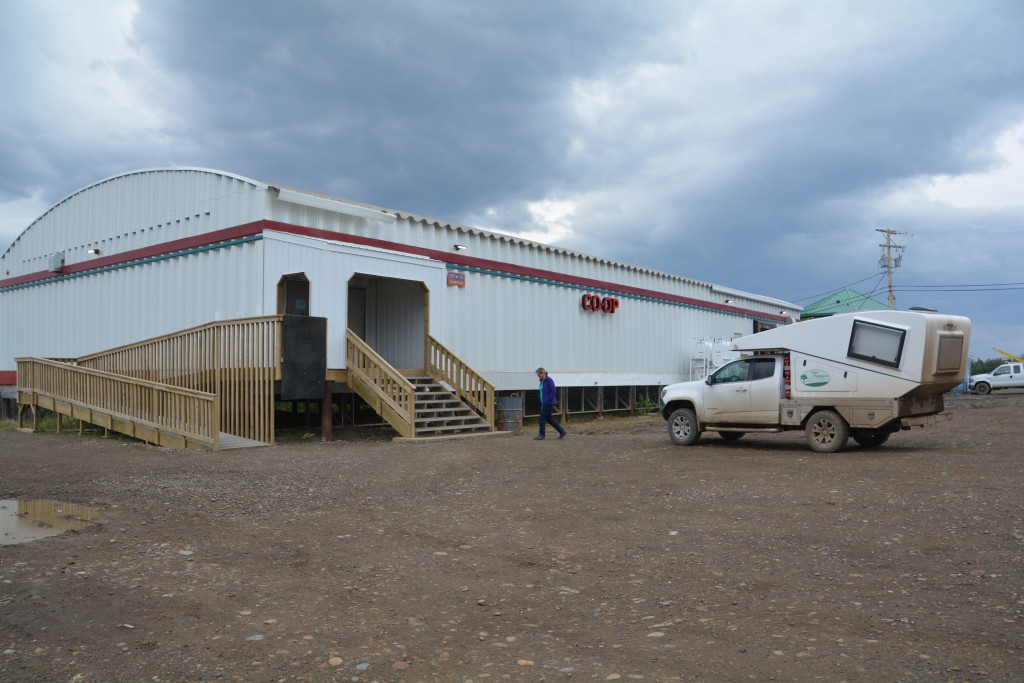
(381, 385)
(173, 335)
(187, 412)
(469, 385)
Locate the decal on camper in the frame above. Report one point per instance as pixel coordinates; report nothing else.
(815, 378)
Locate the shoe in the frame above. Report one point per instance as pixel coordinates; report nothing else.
(540, 438)
(563, 435)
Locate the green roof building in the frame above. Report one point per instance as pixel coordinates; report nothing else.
(844, 301)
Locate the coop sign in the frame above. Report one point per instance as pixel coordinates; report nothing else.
(596, 302)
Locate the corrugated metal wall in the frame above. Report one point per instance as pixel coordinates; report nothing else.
(505, 327)
(396, 316)
(99, 311)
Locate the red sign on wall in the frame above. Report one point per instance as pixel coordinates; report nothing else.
(456, 279)
(596, 302)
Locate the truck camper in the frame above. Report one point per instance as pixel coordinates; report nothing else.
(864, 375)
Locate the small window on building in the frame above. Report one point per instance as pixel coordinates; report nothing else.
(877, 343)
(293, 295)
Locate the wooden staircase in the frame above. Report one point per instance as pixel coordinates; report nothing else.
(447, 399)
(440, 413)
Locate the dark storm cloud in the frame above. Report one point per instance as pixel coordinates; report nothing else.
(438, 105)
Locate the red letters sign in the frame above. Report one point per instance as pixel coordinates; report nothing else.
(596, 302)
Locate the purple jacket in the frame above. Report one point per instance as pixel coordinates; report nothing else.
(548, 395)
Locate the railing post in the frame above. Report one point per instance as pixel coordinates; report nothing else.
(215, 421)
(427, 352)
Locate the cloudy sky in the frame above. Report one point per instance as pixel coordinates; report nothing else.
(757, 144)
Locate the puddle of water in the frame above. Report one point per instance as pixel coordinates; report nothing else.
(22, 521)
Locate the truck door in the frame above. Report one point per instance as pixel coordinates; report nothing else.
(727, 394)
(765, 390)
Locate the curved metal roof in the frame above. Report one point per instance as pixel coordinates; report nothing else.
(158, 169)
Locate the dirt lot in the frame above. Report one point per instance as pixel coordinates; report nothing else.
(610, 555)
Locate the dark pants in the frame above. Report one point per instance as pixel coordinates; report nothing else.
(545, 418)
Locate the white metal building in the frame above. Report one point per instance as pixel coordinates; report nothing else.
(151, 252)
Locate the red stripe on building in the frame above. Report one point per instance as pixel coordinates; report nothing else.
(162, 249)
(501, 266)
(257, 227)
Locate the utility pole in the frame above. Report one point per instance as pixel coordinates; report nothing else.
(888, 262)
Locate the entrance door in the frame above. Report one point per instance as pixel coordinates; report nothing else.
(391, 316)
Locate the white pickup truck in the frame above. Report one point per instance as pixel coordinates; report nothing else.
(1006, 376)
(865, 375)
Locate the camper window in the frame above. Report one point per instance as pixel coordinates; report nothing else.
(876, 343)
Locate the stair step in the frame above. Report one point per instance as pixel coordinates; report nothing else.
(452, 428)
(434, 398)
(445, 409)
(447, 418)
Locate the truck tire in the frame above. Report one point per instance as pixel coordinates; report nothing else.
(983, 388)
(870, 439)
(683, 428)
(827, 432)
(731, 436)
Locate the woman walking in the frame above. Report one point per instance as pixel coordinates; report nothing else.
(548, 400)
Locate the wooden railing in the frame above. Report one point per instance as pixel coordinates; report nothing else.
(238, 360)
(468, 384)
(137, 407)
(381, 386)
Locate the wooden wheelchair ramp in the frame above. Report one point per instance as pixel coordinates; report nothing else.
(209, 387)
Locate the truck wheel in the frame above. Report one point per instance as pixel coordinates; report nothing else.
(827, 431)
(682, 427)
(731, 436)
(871, 439)
(983, 388)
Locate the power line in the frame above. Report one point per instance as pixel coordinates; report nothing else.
(966, 230)
(982, 284)
(940, 288)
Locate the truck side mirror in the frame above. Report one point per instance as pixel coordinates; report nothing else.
(707, 380)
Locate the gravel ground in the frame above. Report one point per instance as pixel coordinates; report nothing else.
(610, 555)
